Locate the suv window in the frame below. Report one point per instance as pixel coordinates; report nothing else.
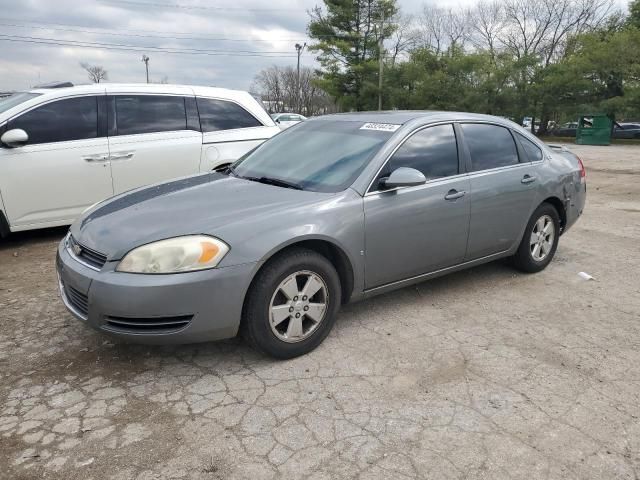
(223, 115)
(433, 151)
(534, 154)
(490, 146)
(60, 121)
(149, 114)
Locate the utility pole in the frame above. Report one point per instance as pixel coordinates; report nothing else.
(380, 58)
(299, 49)
(145, 59)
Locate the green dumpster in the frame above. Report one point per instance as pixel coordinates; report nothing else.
(594, 130)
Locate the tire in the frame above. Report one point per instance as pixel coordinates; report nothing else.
(277, 318)
(528, 257)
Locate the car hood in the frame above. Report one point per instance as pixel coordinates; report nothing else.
(211, 204)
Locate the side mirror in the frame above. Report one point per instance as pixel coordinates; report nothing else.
(15, 137)
(403, 177)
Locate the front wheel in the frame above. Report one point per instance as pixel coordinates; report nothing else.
(292, 304)
(540, 240)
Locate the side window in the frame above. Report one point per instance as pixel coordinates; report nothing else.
(61, 121)
(490, 146)
(149, 114)
(432, 150)
(222, 115)
(534, 154)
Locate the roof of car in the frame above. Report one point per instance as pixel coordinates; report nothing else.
(137, 87)
(404, 116)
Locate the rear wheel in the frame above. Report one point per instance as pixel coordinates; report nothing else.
(292, 304)
(540, 240)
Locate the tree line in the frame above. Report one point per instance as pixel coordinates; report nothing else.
(548, 59)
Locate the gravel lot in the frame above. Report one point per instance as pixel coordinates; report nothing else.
(486, 373)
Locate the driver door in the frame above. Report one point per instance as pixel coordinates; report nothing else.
(63, 168)
(411, 231)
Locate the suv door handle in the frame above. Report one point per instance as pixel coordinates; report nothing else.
(528, 179)
(453, 194)
(101, 157)
(121, 156)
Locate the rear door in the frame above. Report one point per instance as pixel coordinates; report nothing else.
(229, 131)
(415, 230)
(152, 139)
(63, 169)
(503, 188)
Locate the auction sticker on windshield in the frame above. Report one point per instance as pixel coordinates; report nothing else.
(383, 127)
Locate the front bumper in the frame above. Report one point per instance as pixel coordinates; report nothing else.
(160, 309)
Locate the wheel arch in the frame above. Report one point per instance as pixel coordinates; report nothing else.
(556, 203)
(325, 247)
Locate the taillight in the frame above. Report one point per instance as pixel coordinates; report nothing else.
(583, 172)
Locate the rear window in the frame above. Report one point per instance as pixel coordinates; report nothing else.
(490, 146)
(533, 152)
(150, 114)
(223, 115)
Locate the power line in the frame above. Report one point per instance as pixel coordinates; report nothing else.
(119, 34)
(134, 48)
(196, 7)
(149, 47)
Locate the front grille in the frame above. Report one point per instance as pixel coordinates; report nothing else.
(147, 325)
(86, 255)
(78, 300)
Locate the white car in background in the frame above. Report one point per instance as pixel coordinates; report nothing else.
(286, 120)
(64, 149)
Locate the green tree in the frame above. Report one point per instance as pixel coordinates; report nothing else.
(346, 34)
(633, 20)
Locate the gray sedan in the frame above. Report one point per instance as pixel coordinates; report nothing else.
(332, 210)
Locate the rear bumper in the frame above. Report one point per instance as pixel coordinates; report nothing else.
(158, 309)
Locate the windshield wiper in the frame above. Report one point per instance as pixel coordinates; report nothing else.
(277, 182)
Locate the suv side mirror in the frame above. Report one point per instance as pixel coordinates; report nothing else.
(403, 177)
(15, 137)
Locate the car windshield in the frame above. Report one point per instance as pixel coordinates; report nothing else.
(322, 156)
(15, 99)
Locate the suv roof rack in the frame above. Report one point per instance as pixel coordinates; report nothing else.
(55, 85)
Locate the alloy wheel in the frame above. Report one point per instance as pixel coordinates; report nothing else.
(298, 306)
(542, 238)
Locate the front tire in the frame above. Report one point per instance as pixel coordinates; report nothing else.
(540, 240)
(292, 304)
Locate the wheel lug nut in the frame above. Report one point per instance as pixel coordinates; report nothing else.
(291, 309)
(306, 307)
(297, 315)
(295, 299)
(304, 298)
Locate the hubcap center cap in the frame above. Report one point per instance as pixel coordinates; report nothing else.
(298, 306)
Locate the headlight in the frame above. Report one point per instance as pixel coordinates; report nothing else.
(175, 255)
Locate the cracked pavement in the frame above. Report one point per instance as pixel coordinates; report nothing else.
(486, 373)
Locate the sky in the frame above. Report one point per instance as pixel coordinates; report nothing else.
(222, 43)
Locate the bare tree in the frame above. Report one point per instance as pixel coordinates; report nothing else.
(486, 24)
(95, 72)
(277, 87)
(404, 38)
(440, 28)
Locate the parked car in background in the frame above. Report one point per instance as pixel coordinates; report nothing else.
(64, 149)
(568, 129)
(286, 120)
(626, 130)
(339, 208)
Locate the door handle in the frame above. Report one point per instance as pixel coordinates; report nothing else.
(454, 195)
(101, 157)
(121, 156)
(528, 179)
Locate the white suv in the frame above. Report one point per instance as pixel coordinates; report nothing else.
(64, 149)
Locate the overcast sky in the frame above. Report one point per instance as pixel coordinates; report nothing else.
(234, 39)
